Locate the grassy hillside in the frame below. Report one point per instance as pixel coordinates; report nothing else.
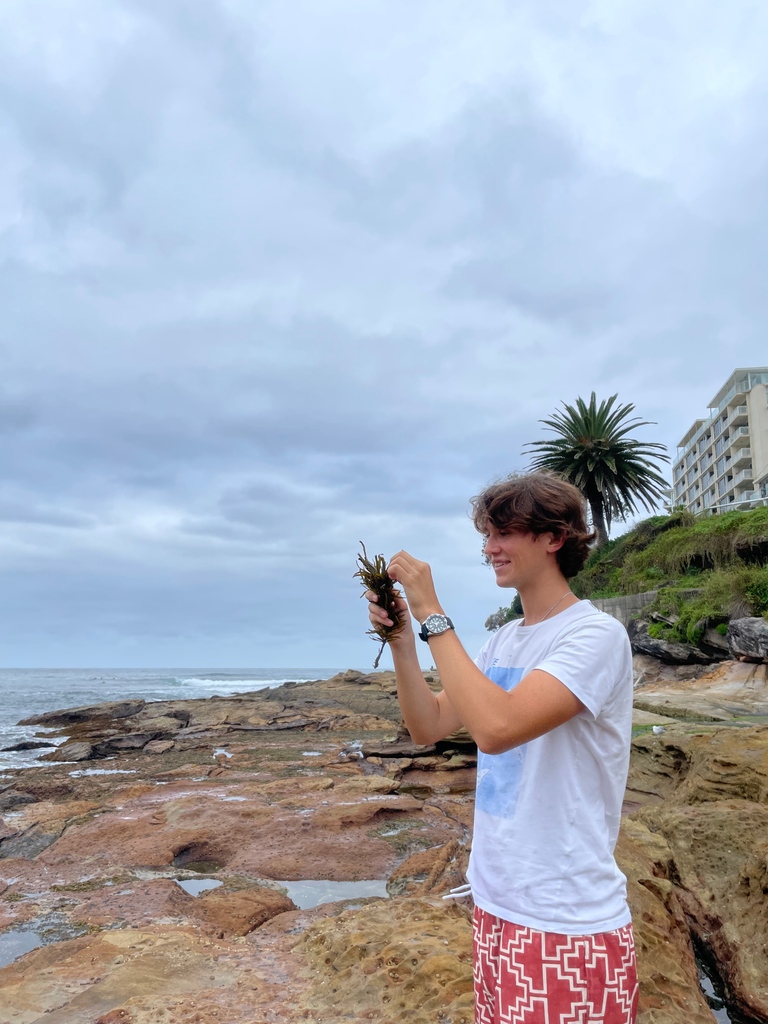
(707, 570)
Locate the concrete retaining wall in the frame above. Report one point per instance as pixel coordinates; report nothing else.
(624, 608)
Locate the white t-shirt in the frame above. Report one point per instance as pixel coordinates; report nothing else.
(547, 812)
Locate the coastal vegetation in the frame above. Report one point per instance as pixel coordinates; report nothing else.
(616, 474)
(705, 570)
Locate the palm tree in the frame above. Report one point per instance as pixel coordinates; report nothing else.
(614, 472)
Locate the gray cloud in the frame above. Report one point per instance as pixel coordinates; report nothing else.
(268, 292)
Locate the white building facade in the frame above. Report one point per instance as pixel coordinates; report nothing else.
(722, 461)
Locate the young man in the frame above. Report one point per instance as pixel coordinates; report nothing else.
(549, 703)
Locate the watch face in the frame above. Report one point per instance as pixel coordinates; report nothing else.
(436, 623)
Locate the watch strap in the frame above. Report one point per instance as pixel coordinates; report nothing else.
(439, 620)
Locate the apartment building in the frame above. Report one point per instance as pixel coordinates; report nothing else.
(722, 461)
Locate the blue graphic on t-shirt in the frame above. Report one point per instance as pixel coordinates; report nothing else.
(499, 775)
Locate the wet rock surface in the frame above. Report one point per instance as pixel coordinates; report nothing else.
(232, 796)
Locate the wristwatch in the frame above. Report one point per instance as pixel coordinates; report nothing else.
(434, 625)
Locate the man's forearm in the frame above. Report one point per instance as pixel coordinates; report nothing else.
(423, 715)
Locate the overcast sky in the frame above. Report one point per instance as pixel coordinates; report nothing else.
(278, 277)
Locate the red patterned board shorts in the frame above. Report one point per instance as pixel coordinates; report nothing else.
(523, 976)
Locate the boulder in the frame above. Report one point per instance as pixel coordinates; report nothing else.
(715, 644)
(77, 750)
(748, 638)
(28, 745)
(159, 746)
(92, 714)
(670, 651)
(239, 913)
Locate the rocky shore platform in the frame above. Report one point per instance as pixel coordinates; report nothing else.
(167, 859)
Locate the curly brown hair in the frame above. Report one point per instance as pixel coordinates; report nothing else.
(537, 503)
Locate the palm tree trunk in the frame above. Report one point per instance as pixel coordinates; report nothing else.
(598, 521)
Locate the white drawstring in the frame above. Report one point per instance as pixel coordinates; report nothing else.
(459, 892)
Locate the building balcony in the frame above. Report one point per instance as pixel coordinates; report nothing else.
(739, 437)
(742, 458)
(738, 416)
(746, 475)
(738, 390)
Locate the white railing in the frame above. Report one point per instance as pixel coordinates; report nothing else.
(741, 504)
(739, 410)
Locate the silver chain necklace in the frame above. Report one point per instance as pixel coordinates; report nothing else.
(557, 602)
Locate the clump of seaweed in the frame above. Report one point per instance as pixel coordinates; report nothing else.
(374, 576)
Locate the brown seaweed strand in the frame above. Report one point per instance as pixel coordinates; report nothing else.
(374, 576)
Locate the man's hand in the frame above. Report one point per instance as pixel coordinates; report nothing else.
(415, 578)
(378, 617)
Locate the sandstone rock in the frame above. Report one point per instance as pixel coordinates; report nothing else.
(282, 816)
(11, 798)
(432, 871)
(369, 785)
(721, 876)
(29, 844)
(6, 832)
(159, 746)
(342, 815)
(669, 989)
(94, 713)
(722, 764)
(238, 913)
(408, 960)
(718, 692)
(159, 724)
(651, 670)
(748, 638)
(128, 741)
(77, 981)
(400, 748)
(75, 751)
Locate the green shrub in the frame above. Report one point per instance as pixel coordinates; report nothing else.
(753, 582)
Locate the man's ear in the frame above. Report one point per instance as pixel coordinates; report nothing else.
(556, 542)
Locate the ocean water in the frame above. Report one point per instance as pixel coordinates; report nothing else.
(29, 691)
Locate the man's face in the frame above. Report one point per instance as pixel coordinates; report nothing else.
(516, 556)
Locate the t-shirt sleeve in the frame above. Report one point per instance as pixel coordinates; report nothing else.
(591, 660)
